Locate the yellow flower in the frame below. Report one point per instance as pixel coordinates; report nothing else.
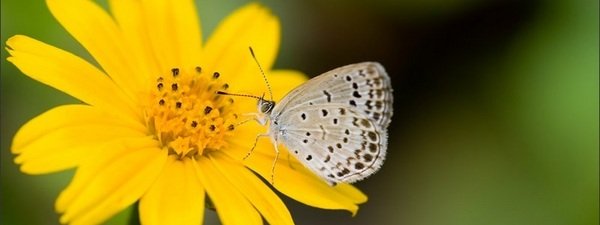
(151, 128)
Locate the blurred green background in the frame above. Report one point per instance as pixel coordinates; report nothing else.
(496, 106)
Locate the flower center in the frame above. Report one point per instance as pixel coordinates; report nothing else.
(187, 116)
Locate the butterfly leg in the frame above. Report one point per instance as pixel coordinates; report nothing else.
(254, 146)
(248, 117)
(276, 155)
(251, 115)
(274, 162)
(244, 121)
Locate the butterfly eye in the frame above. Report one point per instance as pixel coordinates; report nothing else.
(265, 106)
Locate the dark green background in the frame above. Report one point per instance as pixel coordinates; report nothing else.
(496, 106)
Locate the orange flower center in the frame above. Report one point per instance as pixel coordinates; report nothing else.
(186, 115)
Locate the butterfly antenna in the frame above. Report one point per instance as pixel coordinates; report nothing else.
(240, 95)
(262, 72)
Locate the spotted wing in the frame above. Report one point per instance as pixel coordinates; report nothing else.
(364, 87)
(333, 140)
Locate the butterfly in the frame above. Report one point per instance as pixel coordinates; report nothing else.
(335, 124)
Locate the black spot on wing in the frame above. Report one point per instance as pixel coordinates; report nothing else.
(352, 103)
(328, 95)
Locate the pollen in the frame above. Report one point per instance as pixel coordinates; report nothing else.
(186, 115)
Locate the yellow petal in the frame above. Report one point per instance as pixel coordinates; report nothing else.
(111, 181)
(257, 192)
(233, 208)
(86, 172)
(97, 32)
(299, 183)
(281, 82)
(130, 17)
(67, 73)
(68, 147)
(63, 137)
(351, 192)
(165, 30)
(226, 51)
(66, 116)
(245, 138)
(284, 81)
(177, 197)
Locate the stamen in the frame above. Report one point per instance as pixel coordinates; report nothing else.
(175, 71)
(203, 125)
(207, 110)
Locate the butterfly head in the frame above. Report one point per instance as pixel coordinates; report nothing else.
(265, 106)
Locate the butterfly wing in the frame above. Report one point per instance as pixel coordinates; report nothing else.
(336, 123)
(336, 142)
(364, 87)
